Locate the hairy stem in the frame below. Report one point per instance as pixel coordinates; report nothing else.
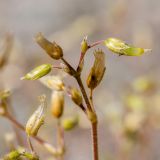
(95, 140)
(79, 81)
(94, 132)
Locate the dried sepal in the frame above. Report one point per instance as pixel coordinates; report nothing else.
(52, 49)
(120, 47)
(57, 103)
(38, 72)
(37, 118)
(53, 82)
(97, 71)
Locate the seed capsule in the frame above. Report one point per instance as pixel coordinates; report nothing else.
(37, 118)
(69, 123)
(84, 45)
(76, 96)
(97, 71)
(13, 155)
(52, 49)
(121, 48)
(57, 103)
(38, 72)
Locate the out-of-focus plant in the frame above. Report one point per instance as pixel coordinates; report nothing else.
(79, 96)
(135, 124)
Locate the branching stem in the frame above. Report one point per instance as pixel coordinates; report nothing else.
(48, 146)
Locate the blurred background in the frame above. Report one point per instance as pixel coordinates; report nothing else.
(128, 99)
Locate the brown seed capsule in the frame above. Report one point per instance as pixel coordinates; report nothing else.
(97, 71)
(57, 103)
(52, 49)
(37, 118)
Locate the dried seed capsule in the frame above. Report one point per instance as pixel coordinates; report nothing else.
(52, 49)
(57, 103)
(121, 48)
(69, 123)
(37, 118)
(38, 72)
(97, 71)
(76, 96)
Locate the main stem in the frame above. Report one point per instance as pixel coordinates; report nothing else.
(89, 108)
(95, 140)
(94, 132)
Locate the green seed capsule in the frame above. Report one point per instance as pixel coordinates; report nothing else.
(69, 123)
(38, 72)
(14, 155)
(84, 45)
(121, 48)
